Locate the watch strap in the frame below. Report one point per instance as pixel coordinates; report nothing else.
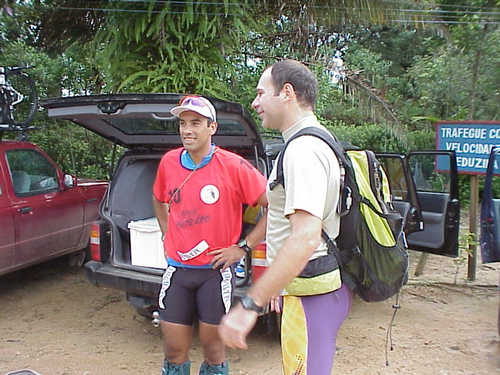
(248, 303)
(242, 244)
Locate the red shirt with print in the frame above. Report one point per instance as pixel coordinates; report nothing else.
(206, 214)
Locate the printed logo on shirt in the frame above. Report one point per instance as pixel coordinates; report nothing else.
(209, 194)
(192, 217)
(194, 252)
(175, 195)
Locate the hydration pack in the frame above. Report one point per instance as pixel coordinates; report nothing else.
(371, 248)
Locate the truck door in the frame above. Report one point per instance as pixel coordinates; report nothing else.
(435, 176)
(490, 211)
(6, 225)
(47, 218)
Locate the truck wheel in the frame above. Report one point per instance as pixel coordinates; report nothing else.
(144, 306)
(77, 259)
(145, 312)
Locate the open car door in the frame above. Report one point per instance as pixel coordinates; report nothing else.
(404, 195)
(490, 212)
(435, 177)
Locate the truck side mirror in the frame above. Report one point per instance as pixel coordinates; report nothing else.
(69, 181)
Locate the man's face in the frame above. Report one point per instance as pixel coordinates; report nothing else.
(268, 105)
(196, 131)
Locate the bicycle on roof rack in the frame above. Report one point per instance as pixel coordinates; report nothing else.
(18, 98)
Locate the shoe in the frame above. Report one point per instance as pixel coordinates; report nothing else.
(173, 369)
(222, 369)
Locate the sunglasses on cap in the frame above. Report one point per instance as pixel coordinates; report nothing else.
(196, 101)
(192, 99)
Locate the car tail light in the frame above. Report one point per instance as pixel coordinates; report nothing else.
(259, 261)
(95, 242)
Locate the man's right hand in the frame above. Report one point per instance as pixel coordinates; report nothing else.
(236, 325)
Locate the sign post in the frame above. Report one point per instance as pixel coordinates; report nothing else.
(472, 141)
(473, 210)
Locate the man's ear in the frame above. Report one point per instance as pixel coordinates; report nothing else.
(213, 125)
(287, 91)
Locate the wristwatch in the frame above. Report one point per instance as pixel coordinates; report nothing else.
(249, 304)
(242, 244)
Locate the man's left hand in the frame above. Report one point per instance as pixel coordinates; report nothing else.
(227, 256)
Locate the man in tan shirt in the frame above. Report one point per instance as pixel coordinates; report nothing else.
(313, 308)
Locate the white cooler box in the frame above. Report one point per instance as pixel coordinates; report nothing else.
(145, 243)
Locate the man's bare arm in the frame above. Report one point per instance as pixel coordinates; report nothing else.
(305, 237)
(291, 259)
(258, 233)
(161, 213)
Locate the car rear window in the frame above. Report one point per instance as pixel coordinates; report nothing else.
(134, 125)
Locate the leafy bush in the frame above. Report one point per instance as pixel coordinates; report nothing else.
(423, 139)
(369, 136)
(76, 150)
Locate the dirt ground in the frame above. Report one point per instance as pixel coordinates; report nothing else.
(55, 322)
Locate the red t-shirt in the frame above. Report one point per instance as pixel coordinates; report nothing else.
(206, 214)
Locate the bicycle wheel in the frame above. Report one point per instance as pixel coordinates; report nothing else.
(24, 101)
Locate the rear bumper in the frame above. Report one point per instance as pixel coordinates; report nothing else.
(132, 282)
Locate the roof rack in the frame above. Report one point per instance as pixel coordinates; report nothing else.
(16, 128)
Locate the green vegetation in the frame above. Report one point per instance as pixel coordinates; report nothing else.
(406, 64)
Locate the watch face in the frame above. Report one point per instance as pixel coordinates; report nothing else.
(243, 245)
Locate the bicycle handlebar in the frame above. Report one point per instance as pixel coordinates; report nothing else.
(4, 69)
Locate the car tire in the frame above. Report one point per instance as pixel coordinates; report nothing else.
(77, 259)
(145, 312)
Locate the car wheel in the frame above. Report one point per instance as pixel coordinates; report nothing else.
(77, 259)
(145, 312)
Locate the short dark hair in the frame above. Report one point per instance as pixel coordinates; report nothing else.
(299, 76)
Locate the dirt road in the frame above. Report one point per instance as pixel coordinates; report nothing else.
(55, 322)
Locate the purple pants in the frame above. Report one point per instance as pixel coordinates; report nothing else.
(309, 331)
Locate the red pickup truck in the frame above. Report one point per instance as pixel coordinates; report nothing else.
(44, 213)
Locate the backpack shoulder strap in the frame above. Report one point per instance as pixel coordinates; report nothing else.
(326, 137)
(339, 152)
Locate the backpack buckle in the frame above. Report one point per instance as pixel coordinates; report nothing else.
(345, 202)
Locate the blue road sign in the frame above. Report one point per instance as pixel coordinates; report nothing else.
(472, 141)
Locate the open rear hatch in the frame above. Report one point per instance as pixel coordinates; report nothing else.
(140, 120)
(142, 124)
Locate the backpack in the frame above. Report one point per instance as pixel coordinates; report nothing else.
(370, 248)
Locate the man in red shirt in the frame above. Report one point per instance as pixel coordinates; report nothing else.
(198, 196)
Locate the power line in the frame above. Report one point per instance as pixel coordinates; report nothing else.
(115, 10)
(389, 12)
(430, 11)
(447, 22)
(177, 2)
(455, 6)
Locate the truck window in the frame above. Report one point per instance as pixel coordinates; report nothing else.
(427, 173)
(31, 172)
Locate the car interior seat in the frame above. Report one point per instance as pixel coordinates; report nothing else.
(21, 181)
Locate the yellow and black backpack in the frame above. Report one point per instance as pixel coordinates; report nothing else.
(371, 248)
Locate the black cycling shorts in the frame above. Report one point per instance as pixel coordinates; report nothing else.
(187, 294)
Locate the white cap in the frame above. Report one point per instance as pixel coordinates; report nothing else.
(196, 104)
